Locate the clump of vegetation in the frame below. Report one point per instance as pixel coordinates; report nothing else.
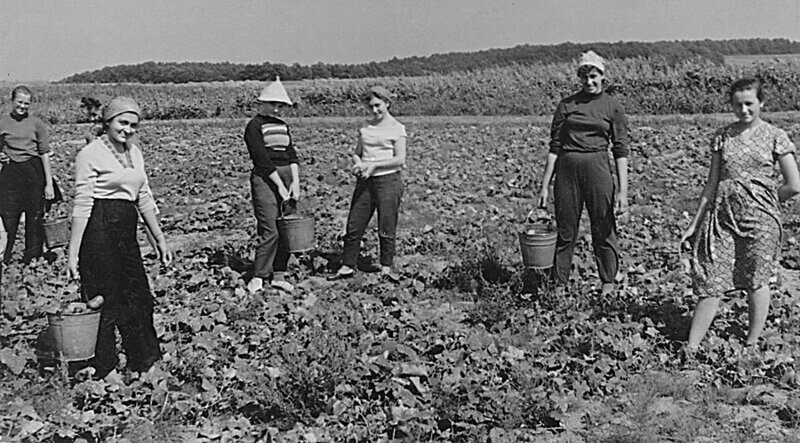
(463, 345)
(673, 52)
(644, 86)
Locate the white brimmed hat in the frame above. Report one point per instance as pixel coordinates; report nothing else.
(275, 92)
(590, 58)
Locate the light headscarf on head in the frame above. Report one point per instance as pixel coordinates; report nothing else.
(120, 105)
(590, 58)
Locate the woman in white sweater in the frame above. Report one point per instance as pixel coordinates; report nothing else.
(111, 191)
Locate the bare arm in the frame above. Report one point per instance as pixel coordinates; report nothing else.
(151, 223)
(355, 153)
(621, 200)
(546, 179)
(3, 239)
(75, 239)
(294, 188)
(706, 196)
(791, 177)
(49, 192)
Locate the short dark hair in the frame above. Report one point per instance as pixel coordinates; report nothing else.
(378, 92)
(20, 88)
(747, 84)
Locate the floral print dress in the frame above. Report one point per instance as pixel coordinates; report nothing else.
(738, 243)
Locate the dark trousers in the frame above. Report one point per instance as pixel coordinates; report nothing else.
(22, 192)
(272, 253)
(384, 194)
(585, 179)
(111, 265)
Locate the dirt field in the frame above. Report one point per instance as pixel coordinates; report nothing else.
(464, 345)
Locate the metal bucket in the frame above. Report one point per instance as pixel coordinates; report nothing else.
(74, 335)
(297, 231)
(538, 246)
(56, 232)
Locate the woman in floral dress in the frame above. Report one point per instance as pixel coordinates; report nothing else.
(735, 235)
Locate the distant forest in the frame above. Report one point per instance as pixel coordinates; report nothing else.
(670, 51)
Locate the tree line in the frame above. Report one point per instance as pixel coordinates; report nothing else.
(671, 51)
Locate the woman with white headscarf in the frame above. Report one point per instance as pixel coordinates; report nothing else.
(111, 191)
(585, 126)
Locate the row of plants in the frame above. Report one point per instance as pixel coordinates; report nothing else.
(465, 346)
(645, 86)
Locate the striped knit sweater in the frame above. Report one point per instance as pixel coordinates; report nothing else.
(269, 143)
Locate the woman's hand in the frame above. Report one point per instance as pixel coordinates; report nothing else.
(686, 237)
(164, 254)
(367, 169)
(541, 202)
(72, 267)
(294, 190)
(4, 158)
(621, 207)
(49, 192)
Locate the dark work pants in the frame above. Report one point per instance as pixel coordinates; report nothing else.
(22, 192)
(111, 265)
(384, 194)
(272, 253)
(585, 179)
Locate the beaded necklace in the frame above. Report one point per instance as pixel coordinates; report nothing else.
(124, 160)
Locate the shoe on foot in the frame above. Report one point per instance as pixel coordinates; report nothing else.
(343, 272)
(256, 284)
(282, 285)
(369, 267)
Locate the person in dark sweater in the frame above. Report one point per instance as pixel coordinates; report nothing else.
(274, 182)
(584, 126)
(25, 175)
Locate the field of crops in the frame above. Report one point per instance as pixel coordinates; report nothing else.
(643, 86)
(465, 346)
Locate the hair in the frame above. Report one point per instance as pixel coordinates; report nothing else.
(20, 89)
(378, 92)
(747, 84)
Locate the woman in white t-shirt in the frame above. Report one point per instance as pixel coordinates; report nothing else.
(378, 158)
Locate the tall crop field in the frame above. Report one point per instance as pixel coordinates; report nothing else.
(643, 86)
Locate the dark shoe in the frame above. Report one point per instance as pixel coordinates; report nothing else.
(370, 268)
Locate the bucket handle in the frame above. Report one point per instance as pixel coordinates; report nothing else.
(52, 213)
(282, 207)
(540, 214)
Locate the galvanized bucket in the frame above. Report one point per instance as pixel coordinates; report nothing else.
(74, 335)
(538, 246)
(56, 232)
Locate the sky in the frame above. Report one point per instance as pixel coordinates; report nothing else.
(52, 39)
